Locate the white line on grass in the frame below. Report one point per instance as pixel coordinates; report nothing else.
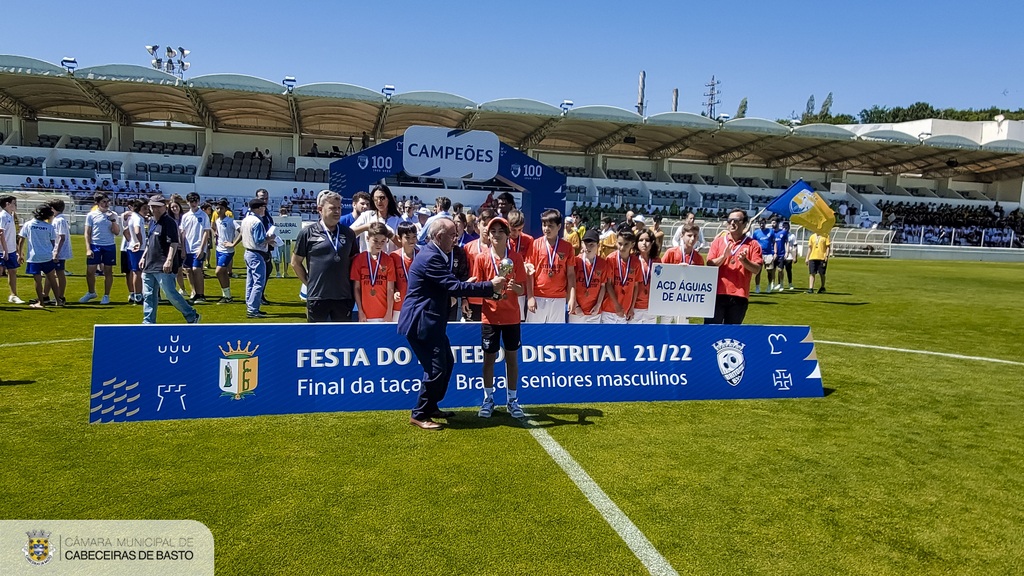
(13, 344)
(623, 526)
(927, 352)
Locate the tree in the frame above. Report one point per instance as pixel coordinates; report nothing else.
(741, 111)
(826, 107)
(809, 111)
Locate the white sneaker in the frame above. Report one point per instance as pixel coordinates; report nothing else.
(486, 409)
(88, 296)
(15, 300)
(514, 409)
(105, 299)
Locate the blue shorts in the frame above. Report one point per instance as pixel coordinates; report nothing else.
(225, 258)
(11, 261)
(106, 255)
(193, 261)
(133, 260)
(59, 265)
(40, 267)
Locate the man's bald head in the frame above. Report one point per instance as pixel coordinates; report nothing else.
(442, 232)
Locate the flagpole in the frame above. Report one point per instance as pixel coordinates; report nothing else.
(754, 219)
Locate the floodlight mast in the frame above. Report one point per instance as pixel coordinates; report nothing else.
(173, 61)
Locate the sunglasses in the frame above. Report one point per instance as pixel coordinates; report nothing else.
(734, 220)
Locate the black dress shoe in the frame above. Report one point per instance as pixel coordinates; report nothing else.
(443, 414)
(426, 424)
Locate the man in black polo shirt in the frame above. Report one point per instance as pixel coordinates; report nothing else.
(322, 259)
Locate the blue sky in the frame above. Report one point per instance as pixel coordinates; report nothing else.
(774, 53)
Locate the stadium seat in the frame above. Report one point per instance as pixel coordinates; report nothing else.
(300, 175)
(190, 170)
(103, 165)
(115, 166)
(141, 167)
(154, 168)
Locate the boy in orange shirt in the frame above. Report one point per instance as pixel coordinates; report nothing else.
(520, 242)
(401, 260)
(591, 282)
(500, 317)
(471, 307)
(623, 275)
(373, 277)
(550, 267)
(685, 254)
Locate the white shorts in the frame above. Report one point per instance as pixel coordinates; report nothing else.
(394, 315)
(522, 308)
(549, 311)
(612, 318)
(643, 317)
(375, 320)
(581, 319)
(673, 320)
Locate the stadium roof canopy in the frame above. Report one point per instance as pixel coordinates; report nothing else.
(129, 94)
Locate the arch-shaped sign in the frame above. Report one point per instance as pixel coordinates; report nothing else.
(472, 155)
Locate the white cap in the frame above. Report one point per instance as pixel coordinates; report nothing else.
(639, 218)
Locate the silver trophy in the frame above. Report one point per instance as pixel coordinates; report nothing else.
(505, 267)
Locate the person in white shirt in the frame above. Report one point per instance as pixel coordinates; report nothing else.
(228, 236)
(385, 211)
(195, 237)
(101, 230)
(41, 242)
(135, 246)
(63, 231)
(9, 246)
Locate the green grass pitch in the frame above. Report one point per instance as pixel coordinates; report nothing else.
(910, 464)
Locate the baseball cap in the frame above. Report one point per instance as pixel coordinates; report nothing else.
(424, 212)
(592, 236)
(157, 200)
(498, 220)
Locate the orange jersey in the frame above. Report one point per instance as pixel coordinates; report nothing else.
(505, 311)
(375, 296)
(624, 274)
(551, 279)
(472, 249)
(643, 295)
(675, 256)
(521, 245)
(733, 278)
(401, 264)
(586, 296)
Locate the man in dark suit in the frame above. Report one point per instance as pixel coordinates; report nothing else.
(424, 318)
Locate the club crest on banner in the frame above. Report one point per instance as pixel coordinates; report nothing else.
(238, 374)
(516, 170)
(730, 359)
(802, 202)
(363, 161)
(38, 551)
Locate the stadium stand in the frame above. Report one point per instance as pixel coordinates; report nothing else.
(172, 148)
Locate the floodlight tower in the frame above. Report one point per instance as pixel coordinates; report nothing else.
(713, 93)
(175, 59)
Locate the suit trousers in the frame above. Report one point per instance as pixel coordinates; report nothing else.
(438, 362)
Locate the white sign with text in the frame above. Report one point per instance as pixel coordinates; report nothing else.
(447, 153)
(681, 290)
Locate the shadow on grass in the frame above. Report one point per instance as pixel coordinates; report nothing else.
(842, 303)
(762, 303)
(542, 416)
(828, 391)
(16, 382)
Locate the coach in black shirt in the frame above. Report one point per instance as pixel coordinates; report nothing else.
(322, 259)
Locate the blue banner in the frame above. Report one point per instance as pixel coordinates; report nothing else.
(165, 372)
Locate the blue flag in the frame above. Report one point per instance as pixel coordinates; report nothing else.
(803, 206)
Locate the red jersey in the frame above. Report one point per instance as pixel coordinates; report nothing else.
(624, 274)
(675, 256)
(375, 297)
(597, 274)
(472, 249)
(733, 278)
(551, 267)
(505, 311)
(643, 295)
(521, 245)
(401, 264)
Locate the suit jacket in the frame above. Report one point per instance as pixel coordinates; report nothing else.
(431, 286)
